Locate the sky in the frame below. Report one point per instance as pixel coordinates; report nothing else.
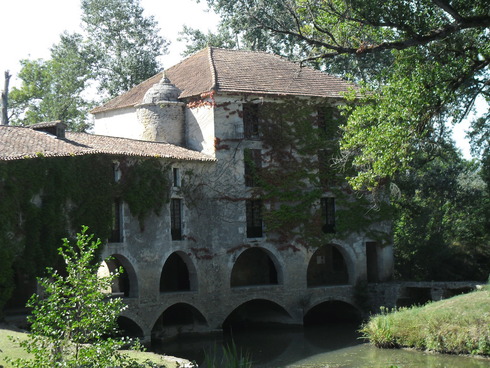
(28, 29)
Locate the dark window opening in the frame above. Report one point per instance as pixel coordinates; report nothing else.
(175, 275)
(253, 267)
(372, 261)
(176, 219)
(328, 215)
(251, 121)
(328, 120)
(176, 177)
(253, 163)
(327, 266)
(116, 225)
(254, 218)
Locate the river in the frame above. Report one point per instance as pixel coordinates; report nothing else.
(332, 346)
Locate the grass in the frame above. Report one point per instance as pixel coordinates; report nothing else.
(459, 325)
(10, 349)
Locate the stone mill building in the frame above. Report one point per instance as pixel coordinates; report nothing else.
(213, 254)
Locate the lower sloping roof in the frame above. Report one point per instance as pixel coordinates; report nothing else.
(22, 142)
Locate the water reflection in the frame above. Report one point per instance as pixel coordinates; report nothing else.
(332, 346)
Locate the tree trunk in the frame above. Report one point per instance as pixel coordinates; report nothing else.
(4, 101)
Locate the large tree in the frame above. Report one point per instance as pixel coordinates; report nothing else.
(427, 61)
(117, 50)
(127, 44)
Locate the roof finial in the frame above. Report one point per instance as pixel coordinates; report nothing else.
(164, 79)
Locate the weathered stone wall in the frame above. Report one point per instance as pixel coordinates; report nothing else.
(215, 236)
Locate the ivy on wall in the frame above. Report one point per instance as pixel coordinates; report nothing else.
(43, 200)
(299, 146)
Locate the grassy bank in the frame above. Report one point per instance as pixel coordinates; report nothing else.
(12, 350)
(459, 325)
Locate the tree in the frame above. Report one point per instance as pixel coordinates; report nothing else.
(72, 320)
(126, 43)
(441, 219)
(53, 89)
(118, 50)
(431, 59)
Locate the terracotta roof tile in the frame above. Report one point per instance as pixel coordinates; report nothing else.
(237, 71)
(19, 143)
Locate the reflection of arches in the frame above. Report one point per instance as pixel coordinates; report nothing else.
(257, 312)
(330, 312)
(178, 274)
(327, 266)
(178, 318)
(254, 266)
(126, 284)
(129, 328)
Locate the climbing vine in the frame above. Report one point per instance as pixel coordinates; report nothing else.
(299, 144)
(45, 199)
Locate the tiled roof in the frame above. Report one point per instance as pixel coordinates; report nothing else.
(237, 71)
(19, 142)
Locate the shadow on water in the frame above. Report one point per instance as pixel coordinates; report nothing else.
(334, 345)
(329, 338)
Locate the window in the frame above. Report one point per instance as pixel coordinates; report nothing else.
(253, 162)
(116, 226)
(326, 172)
(176, 218)
(328, 215)
(254, 218)
(328, 120)
(175, 177)
(117, 171)
(251, 121)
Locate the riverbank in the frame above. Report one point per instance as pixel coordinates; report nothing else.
(459, 325)
(12, 350)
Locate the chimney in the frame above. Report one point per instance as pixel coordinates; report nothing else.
(55, 128)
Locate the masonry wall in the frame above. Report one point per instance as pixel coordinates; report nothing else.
(214, 248)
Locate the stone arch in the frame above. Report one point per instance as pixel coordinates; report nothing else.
(178, 273)
(126, 285)
(255, 266)
(257, 312)
(129, 327)
(177, 319)
(332, 311)
(329, 265)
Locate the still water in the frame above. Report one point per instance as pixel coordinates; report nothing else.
(332, 346)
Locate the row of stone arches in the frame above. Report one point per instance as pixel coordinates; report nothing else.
(183, 317)
(253, 267)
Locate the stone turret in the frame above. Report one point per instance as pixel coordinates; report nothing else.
(162, 114)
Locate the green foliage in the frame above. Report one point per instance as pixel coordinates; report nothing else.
(230, 357)
(441, 219)
(51, 90)
(125, 42)
(459, 325)
(43, 200)
(72, 319)
(145, 187)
